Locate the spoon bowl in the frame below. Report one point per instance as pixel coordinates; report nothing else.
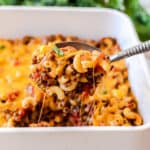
(141, 48)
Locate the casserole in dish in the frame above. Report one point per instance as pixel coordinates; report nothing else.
(81, 88)
(76, 22)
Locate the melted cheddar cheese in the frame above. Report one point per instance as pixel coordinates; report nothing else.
(24, 104)
(15, 63)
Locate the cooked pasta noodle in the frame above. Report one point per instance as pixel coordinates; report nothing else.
(76, 88)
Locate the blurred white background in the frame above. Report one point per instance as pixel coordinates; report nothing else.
(146, 4)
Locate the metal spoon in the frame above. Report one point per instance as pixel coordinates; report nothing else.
(141, 48)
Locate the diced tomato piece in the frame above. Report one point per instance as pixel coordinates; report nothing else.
(75, 114)
(13, 95)
(36, 75)
(76, 120)
(20, 114)
(85, 94)
(99, 69)
(131, 104)
(17, 62)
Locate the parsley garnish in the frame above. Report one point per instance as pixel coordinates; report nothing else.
(58, 51)
(2, 47)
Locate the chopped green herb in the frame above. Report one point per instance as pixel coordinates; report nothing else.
(104, 92)
(2, 47)
(58, 51)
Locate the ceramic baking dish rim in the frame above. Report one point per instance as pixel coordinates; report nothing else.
(76, 129)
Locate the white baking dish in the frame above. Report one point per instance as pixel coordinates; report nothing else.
(87, 23)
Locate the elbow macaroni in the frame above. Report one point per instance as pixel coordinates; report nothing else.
(80, 88)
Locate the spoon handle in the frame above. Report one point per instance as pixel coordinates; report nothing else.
(141, 48)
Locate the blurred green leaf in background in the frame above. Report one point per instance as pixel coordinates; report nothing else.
(8, 2)
(132, 8)
(140, 18)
